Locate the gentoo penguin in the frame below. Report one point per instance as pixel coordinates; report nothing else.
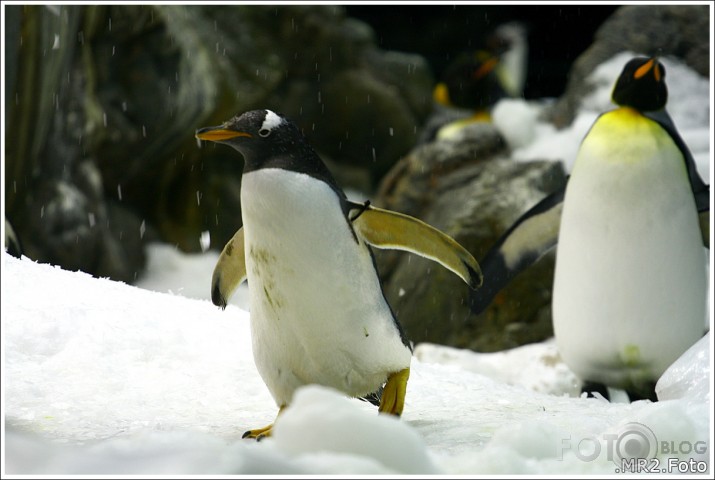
(629, 293)
(318, 313)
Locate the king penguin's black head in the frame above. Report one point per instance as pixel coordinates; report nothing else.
(269, 140)
(641, 85)
(470, 82)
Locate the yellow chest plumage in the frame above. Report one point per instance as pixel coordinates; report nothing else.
(625, 136)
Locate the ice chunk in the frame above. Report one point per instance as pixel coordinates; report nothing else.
(689, 376)
(321, 420)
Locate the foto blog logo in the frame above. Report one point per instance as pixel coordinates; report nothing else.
(634, 447)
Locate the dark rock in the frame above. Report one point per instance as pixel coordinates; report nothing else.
(470, 189)
(69, 224)
(558, 33)
(681, 31)
(59, 225)
(359, 106)
(409, 186)
(124, 255)
(54, 193)
(124, 87)
(12, 243)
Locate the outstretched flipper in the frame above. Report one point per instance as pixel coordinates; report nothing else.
(391, 230)
(230, 270)
(701, 191)
(534, 234)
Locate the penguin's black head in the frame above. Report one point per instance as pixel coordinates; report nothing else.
(261, 136)
(269, 140)
(641, 85)
(262, 130)
(470, 82)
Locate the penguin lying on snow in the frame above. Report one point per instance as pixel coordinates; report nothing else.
(318, 314)
(630, 281)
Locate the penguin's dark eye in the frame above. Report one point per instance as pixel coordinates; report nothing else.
(264, 132)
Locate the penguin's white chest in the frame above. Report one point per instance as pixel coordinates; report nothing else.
(630, 281)
(318, 314)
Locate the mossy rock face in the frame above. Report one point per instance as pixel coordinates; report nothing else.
(470, 189)
(124, 87)
(72, 225)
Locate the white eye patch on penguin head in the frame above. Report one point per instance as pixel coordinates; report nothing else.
(272, 120)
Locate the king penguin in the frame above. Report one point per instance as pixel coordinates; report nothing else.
(317, 311)
(475, 81)
(629, 292)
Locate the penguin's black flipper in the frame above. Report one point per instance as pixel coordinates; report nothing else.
(701, 191)
(533, 234)
(704, 218)
(392, 230)
(230, 270)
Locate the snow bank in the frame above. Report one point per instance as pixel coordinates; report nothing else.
(537, 367)
(105, 378)
(169, 270)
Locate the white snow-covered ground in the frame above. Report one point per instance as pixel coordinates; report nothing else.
(105, 378)
(100, 377)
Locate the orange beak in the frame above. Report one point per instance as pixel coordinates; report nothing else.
(217, 134)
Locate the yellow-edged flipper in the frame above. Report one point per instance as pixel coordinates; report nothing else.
(386, 229)
(230, 270)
